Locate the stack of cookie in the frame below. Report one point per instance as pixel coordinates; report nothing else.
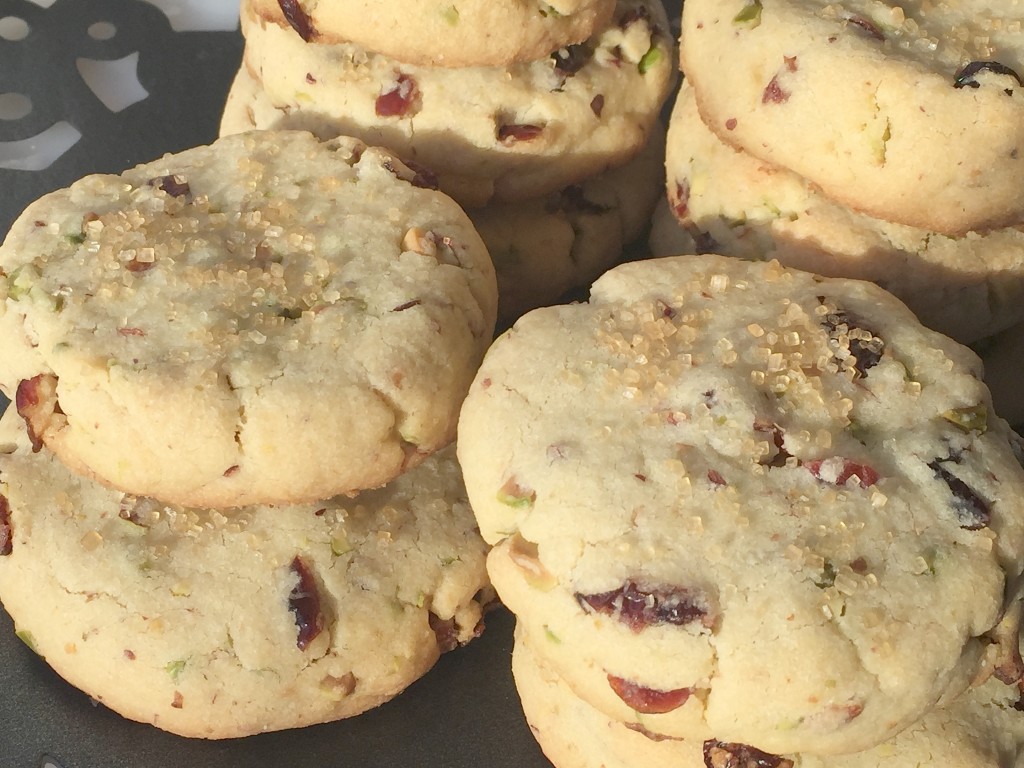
(749, 516)
(540, 119)
(235, 372)
(876, 140)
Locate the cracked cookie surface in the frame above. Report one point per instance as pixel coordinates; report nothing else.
(982, 729)
(269, 319)
(721, 477)
(911, 111)
(222, 624)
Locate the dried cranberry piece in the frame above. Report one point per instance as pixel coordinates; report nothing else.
(597, 105)
(845, 332)
(173, 185)
(965, 76)
(720, 754)
(847, 470)
(400, 100)
(639, 608)
(571, 59)
(446, 632)
(972, 511)
(6, 531)
(304, 602)
(516, 132)
(867, 26)
(424, 178)
(680, 199)
(139, 266)
(407, 305)
(298, 19)
(648, 701)
(773, 93)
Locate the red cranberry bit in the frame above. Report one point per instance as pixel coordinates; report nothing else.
(971, 510)
(400, 100)
(407, 305)
(298, 19)
(730, 124)
(720, 754)
(680, 199)
(791, 63)
(445, 631)
(130, 331)
(516, 132)
(640, 608)
(715, 478)
(304, 602)
(6, 531)
(966, 75)
(571, 59)
(174, 185)
(773, 93)
(597, 105)
(848, 469)
(424, 178)
(648, 701)
(778, 459)
(867, 26)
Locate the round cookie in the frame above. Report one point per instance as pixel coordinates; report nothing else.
(723, 477)
(911, 112)
(488, 133)
(465, 33)
(542, 247)
(982, 729)
(269, 319)
(967, 287)
(219, 625)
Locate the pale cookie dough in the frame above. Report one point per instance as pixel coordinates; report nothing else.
(218, 625)
(982, 729)
(452, 33)
(721, 481)
(269, 319)
(967, 287)
(911, 111)
(544, 246)
(488, 133)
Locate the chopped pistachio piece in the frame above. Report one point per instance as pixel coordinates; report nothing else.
(749, 16)
(649, 59)
(973, 418)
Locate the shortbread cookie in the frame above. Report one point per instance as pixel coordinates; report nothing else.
(226, 624)
(911, 111)
(967, 287)
(489, 133)
(269, 319)
(463, 33)
(982, 729)
(720, 480)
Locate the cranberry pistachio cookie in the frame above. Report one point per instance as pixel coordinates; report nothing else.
(489, 133)
(721, 481)
(462, 33)
(222, 624)
(910, 111)
(269, 319)
(731, 202)
(982, 729)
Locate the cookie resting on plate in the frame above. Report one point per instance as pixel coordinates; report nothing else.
(721, 479)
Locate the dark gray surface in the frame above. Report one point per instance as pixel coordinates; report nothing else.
(465, 712)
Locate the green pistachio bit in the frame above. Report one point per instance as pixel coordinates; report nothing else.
(28, 639)
(551, 635)
(973, 418)
(20, 282)
(77, 239)
(340, 545)
(749, 16)
(513, 495)
(450, 15)
(548, 11)
(174, 669)
(649, 59)
(828, 576)
(446, 561)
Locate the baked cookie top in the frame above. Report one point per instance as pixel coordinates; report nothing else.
(268, 319)
(460, 33)
(967, 287)
(488, 133)
(910, 111)
(768, 480)
(223, 624)
(982, 729)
